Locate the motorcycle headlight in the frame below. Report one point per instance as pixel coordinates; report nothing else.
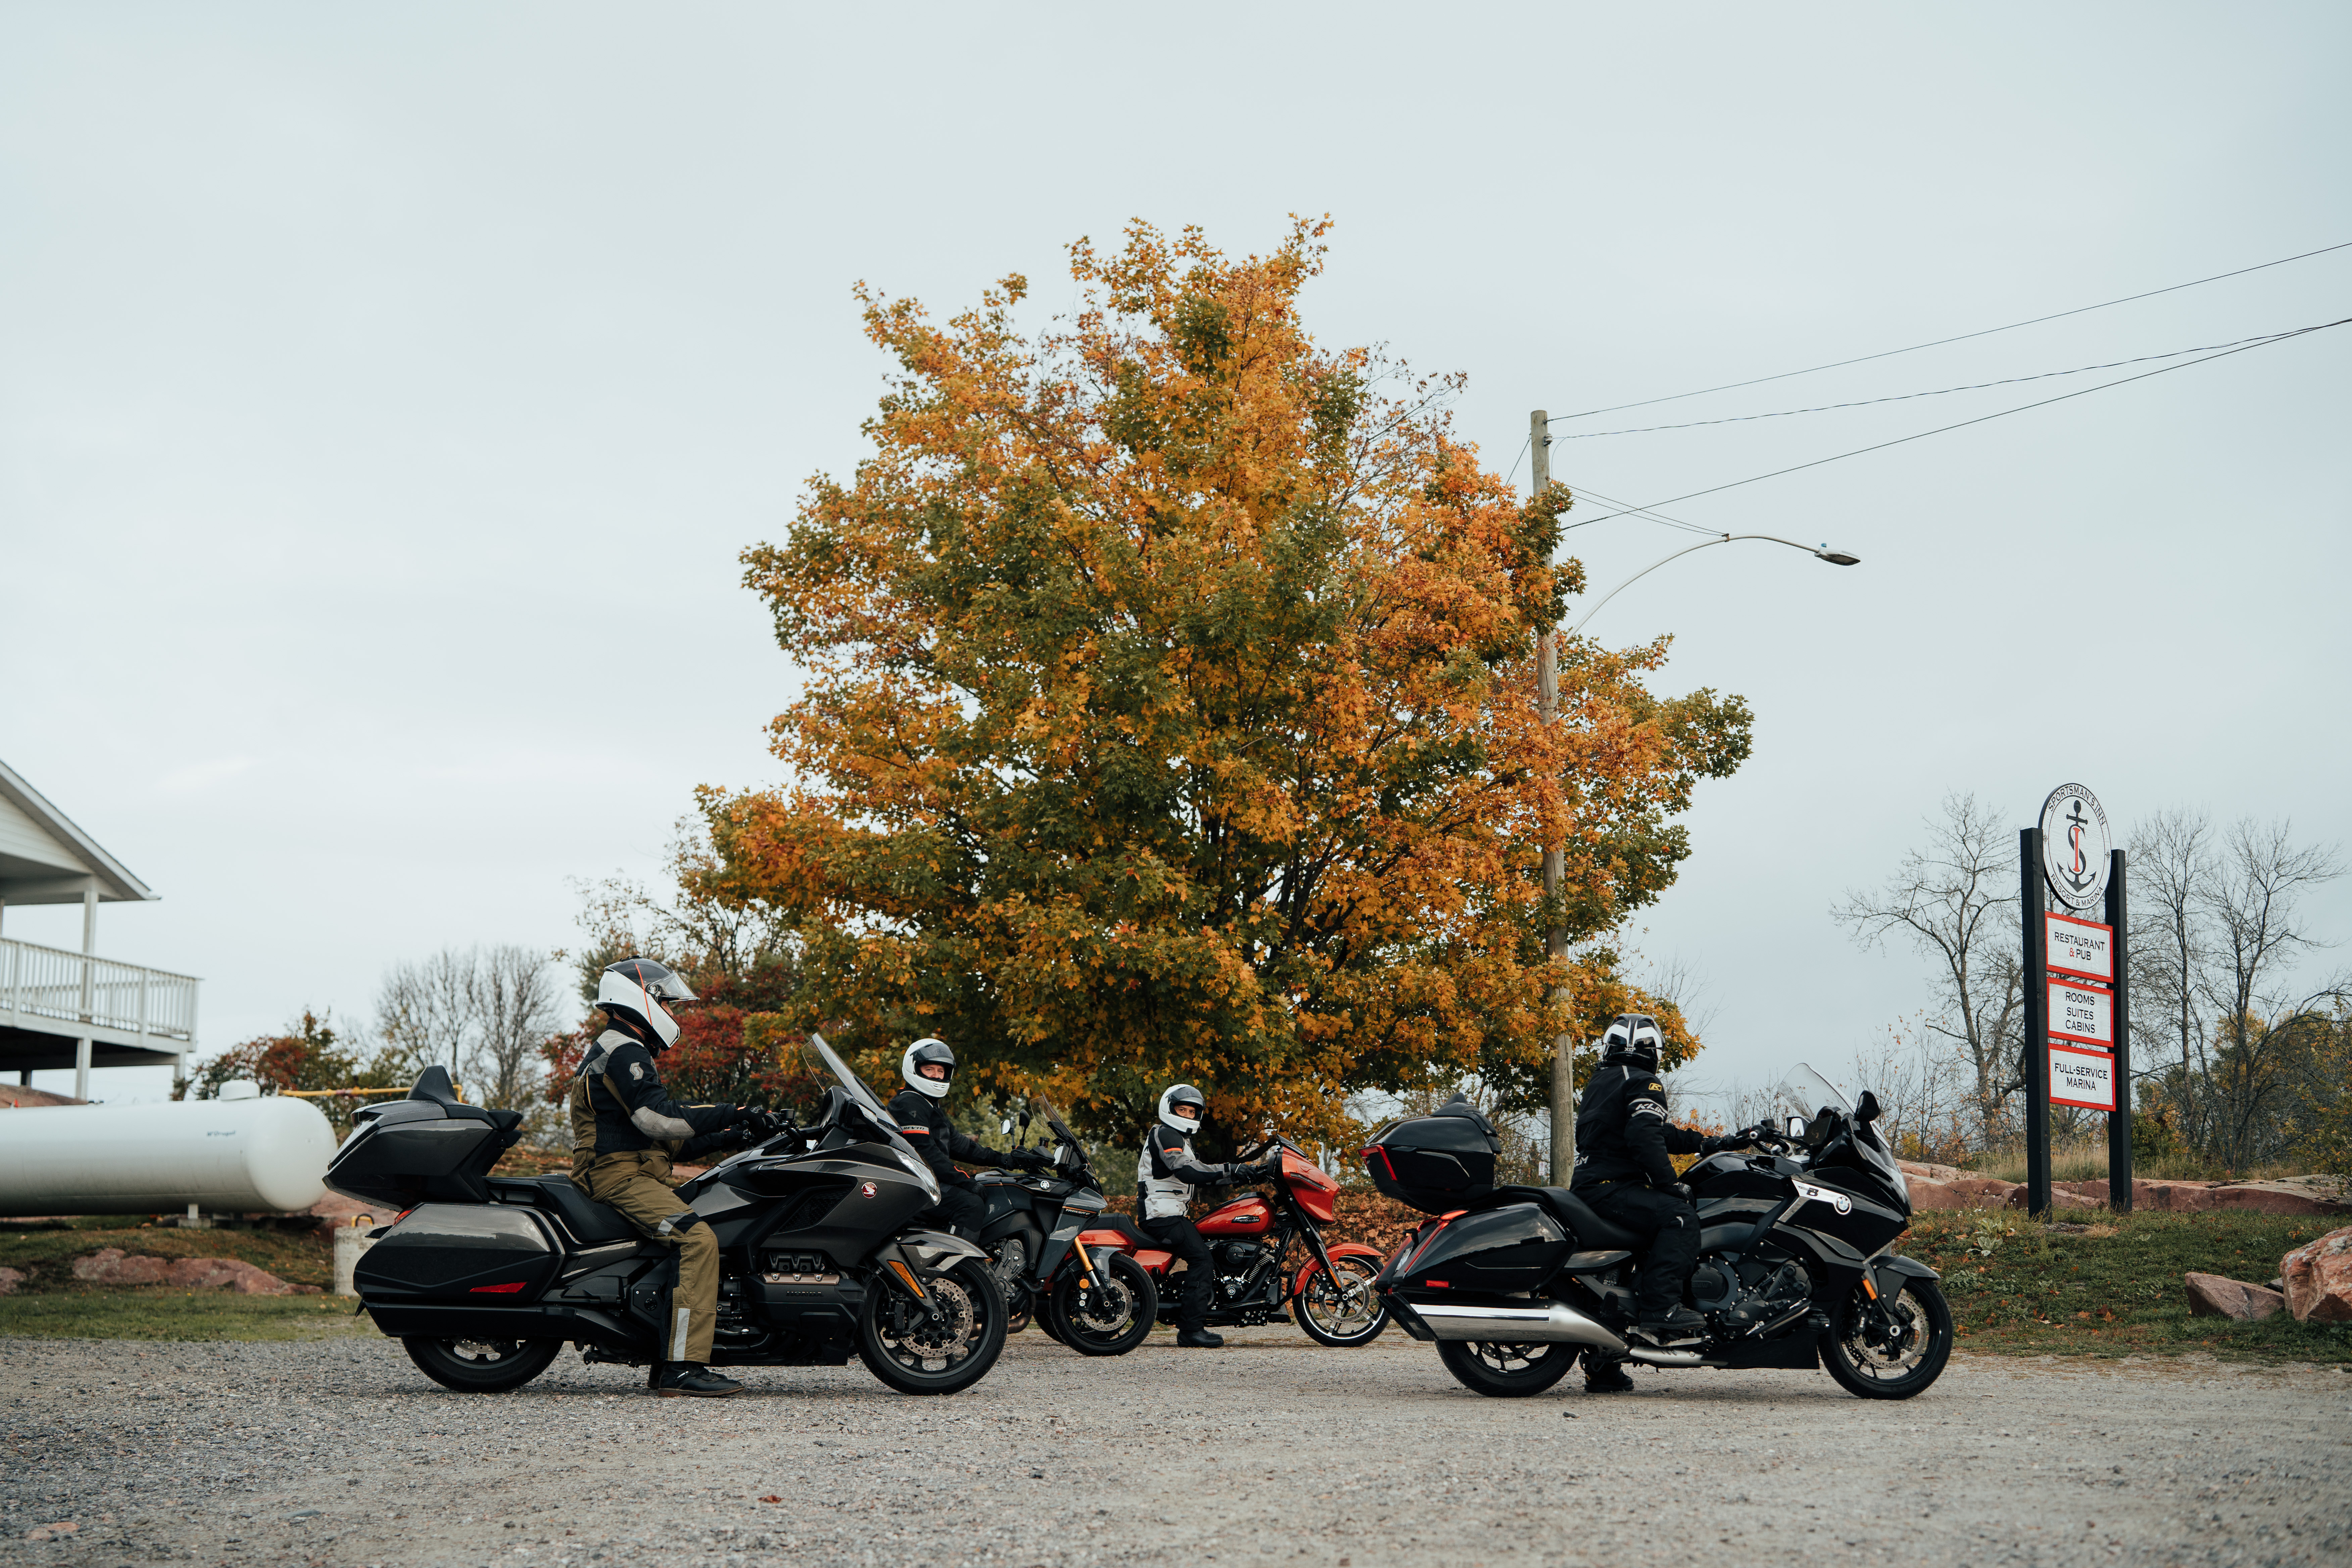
(920, 1171)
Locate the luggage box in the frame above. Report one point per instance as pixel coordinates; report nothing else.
(1437, 1162)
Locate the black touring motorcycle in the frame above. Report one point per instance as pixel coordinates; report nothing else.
(484, 1277)
(1059, 1252)
(1795, 1266)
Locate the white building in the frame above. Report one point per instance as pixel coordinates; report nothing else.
(61, 1009)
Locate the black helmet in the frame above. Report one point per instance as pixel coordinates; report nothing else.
(635, 990)
(929, 1051)
(1632, 1039)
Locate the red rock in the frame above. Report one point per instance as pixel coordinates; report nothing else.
(2059, 1199)
(2212, 1296)
(9, 1280)
(225, 1274)
(1983, 1192)
(1927, 1194)
(108, 1266)
(2319, 1280)
(1921, 1169)
(2272, 1198)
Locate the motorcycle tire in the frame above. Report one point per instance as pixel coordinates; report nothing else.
(1111, 1319)
(481, 1366)
(1332, 1308)
(915, 1354)
(1506, 1372)
(1895, 1371)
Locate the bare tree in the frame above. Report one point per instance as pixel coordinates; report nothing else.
(482, 1013)
(1956, 899)
(515, 1010)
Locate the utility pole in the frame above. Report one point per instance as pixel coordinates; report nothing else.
(1555, 868)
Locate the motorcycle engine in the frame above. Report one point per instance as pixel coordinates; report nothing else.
(1237, 1263)
(1753, 1298)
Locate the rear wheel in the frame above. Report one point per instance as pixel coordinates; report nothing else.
(481, 1366)
(1892, 1348)
(1109, 1317)
(944, 1349)
(1506, 1372)
(1339, 1307)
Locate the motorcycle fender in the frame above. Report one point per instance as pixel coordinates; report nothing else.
(1887, 1274)
(1307, 1271)
(906, 1258)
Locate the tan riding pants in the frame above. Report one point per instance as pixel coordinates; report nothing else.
(638, 1185)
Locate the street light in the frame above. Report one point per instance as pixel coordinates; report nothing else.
(1834, 557)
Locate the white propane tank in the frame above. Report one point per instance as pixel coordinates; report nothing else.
(240, 1153)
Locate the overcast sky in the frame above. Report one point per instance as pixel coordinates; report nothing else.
(388, 391)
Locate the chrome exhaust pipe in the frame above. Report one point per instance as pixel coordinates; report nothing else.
(1644, 1354)
(1550, 1322)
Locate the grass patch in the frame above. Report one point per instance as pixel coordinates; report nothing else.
(154, 1312)
(2019, 1288)
(47, 1254)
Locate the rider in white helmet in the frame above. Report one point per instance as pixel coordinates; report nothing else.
(921, 1111)
(1165, 1175)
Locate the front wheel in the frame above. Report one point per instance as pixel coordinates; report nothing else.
(941, 1346)
(481, 1366)
(1506, 1372)
(1110, 1317)
(1339, 1308)
(1891, 1348)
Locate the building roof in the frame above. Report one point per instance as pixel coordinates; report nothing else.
(46, 860)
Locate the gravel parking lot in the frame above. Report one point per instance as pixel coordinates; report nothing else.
(1268, 1451)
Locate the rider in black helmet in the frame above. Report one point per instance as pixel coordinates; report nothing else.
(1623, 1139)
(921, 1112)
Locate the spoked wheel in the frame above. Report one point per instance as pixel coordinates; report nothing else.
(1891, 1348)
(944, 1349)
(1110, 1317)
(481, 1366)
(1506, 1372)
(1338, 1307)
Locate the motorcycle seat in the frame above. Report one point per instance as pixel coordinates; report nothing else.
(591, 1224)
(1591, 1230)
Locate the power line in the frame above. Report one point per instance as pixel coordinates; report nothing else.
(1939, 342)
(1921, 435)
(1939, 392)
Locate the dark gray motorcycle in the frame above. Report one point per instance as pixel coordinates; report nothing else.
(485, 1278)
(1796, 1266)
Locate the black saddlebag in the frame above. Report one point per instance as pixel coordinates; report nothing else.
(1438, 1162)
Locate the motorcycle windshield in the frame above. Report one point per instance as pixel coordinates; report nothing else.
(823, 1063)
(1808, 1093)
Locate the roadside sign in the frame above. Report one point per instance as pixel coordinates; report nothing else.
(2083, 949)
(2075, 846)
(2083, 1012)
(2085, 1078)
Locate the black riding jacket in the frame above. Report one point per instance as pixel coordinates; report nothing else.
(923, 1123)
(1621, 1132)
(645, 1116)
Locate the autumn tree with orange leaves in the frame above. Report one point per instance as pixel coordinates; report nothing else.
(1169, 715)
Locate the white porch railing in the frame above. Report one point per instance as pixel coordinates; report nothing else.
(43, 986)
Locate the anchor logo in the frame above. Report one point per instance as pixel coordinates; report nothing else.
(2076, 825)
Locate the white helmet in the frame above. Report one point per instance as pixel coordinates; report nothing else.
(1631, 1037)
(929, 1051)
(636, 988)
(1183, 1108)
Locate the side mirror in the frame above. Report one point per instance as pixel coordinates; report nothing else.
(1869, 1109)
(1797, 1128)
(1007, 1128)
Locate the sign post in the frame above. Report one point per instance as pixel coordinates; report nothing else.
(2077, 1002)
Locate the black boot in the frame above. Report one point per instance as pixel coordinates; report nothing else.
(1200, 1338)
(1676, 1327)
(1605, 1375)
(685, 1380)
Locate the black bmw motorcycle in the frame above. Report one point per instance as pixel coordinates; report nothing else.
(1795, 1269)
(1059, 1252)
(484, 1278)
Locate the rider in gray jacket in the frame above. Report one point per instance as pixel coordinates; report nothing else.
(1165, 1176)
